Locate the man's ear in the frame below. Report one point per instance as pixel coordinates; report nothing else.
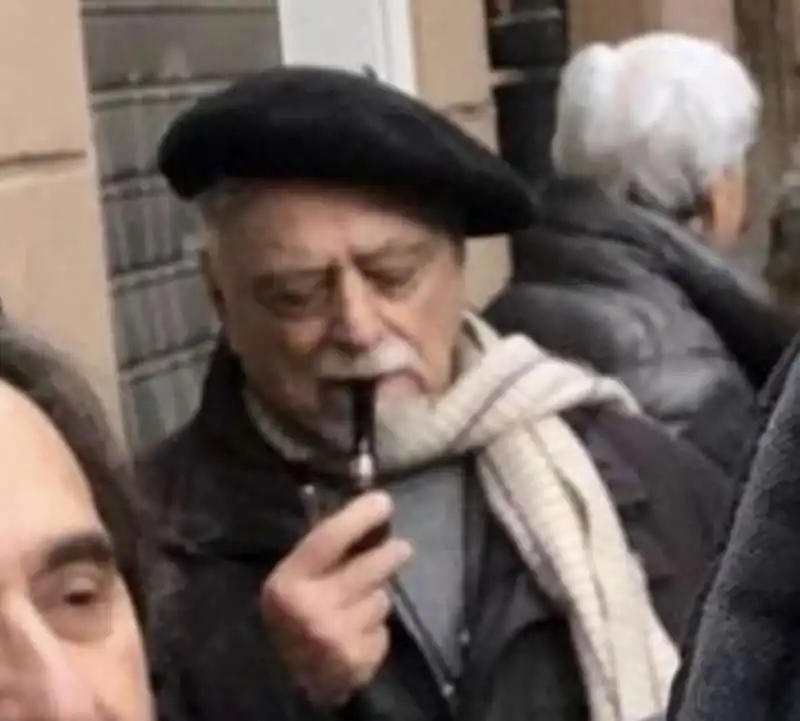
(716, 202)
(209, 264)
(725, 208)
(460, 250)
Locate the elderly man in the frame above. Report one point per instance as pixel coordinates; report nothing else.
(529, 505)
(620, 270)
(72, 575)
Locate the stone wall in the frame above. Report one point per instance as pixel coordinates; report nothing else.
(146, 62)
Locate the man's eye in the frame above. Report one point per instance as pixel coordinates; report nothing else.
(84, 587)
(79, 603)
(293, 304)
(291, 299)
(392, 279)
(81, 595)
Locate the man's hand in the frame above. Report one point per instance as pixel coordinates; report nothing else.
(327, 610)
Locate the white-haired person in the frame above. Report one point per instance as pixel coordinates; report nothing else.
(623, 268)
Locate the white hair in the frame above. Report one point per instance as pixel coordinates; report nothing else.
(662, 115)
(219, 203)
(216, 203)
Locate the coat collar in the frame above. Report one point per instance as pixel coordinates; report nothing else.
(582, 231)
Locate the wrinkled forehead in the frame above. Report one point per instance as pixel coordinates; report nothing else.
(302, 223)
(44, 492)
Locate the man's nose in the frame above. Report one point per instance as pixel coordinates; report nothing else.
(40, 680)
(357, 326)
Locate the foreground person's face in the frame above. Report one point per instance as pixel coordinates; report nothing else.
(70, 647)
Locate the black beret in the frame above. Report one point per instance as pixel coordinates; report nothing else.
(342, 128)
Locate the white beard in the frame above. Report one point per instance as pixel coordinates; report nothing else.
(392, 416)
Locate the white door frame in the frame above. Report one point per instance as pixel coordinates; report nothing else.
(391, 40)
(399, 50)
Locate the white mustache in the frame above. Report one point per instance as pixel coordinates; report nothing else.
(390, 357)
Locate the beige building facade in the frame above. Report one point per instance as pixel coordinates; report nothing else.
(86, 222)
(52, 260)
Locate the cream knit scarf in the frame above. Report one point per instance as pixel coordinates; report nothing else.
(546, 491)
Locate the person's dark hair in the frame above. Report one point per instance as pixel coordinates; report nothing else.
(50, 381)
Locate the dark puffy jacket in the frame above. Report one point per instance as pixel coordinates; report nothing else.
(228, 508)
(637, 296)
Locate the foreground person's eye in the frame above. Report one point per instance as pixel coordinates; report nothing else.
(78, 601)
